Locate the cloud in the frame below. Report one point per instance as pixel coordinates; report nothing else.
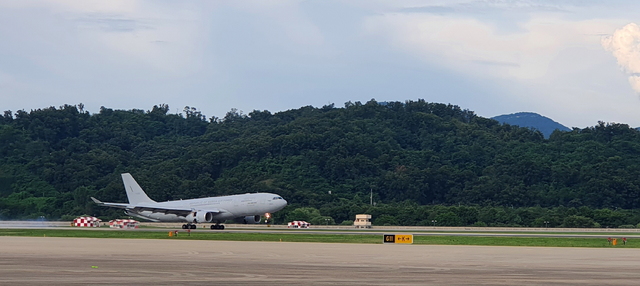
(488, 6)
(111, 23)
(429, 9)
(624, 44)
(496, 63)
(634, 80)
(7, 81)
(128, 32)
(477, 48)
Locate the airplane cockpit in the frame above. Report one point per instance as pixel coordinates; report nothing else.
(278, 198)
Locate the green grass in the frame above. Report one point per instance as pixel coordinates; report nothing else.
(107, 233)
(612, 234)
(521, 241)
(324, 238)
(432, 231)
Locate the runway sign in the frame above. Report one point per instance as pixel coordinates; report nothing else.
(397, 238)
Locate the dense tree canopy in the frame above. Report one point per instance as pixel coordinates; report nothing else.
(419, 162)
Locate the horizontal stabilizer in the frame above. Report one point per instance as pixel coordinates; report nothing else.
(115, 205)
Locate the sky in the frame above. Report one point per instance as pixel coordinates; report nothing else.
(576, 62)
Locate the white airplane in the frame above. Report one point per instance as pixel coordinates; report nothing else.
(246, 208)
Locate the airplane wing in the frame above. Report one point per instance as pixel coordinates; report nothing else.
(153, 208)
(170, 210)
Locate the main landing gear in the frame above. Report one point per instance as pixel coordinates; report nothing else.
(188, 226)
(217, 226)
(193, 226)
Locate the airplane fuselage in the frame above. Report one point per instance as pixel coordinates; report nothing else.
(229, 207)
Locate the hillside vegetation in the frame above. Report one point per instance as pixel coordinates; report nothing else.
(424, 163)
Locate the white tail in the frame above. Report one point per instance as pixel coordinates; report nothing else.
(134, 192)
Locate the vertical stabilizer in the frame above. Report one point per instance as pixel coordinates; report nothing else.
(135, 194)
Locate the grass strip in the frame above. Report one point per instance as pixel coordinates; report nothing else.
(408, 231)
(323, 238)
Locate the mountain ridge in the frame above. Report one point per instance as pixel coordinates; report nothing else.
(532, 120)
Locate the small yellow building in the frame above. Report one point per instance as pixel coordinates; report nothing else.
(362, 221)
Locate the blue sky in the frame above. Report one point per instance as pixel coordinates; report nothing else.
(563, 59)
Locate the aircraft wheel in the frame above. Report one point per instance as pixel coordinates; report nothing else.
(193, 226)
(213, 226)
(221, 227)
(184, 226)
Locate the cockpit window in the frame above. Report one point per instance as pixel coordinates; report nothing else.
(277, 198)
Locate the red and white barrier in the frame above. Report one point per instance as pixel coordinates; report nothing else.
(124, 223)
(298, 224)
(87, 221)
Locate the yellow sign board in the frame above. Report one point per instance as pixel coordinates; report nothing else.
(404, 238)
(398, 238)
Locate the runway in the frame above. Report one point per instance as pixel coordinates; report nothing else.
(86, 261)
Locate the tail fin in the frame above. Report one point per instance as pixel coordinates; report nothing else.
(135, 194)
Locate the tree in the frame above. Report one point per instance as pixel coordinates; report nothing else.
(305, 214)
(576, 221)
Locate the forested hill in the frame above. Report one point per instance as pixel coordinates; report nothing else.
(411, 156)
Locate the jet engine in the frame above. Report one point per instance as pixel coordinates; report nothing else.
(249, 219)
(200, 216)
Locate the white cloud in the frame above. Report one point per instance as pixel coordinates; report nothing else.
(473, 47)
(167, 39)
(282, 23)
(624, 44)
(6, 80)
(634, 80)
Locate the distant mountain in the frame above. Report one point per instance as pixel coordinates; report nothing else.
(532, 120)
